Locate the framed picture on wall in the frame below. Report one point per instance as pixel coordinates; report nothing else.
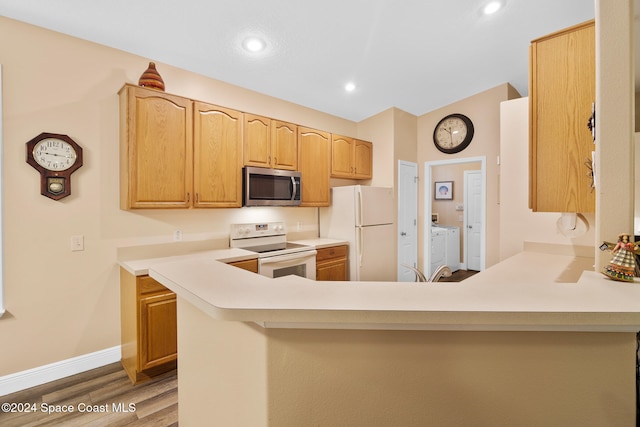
(443, 190)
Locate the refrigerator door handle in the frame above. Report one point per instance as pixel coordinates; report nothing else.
(359, 245)
(359, 209)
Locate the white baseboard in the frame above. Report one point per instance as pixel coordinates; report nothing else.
(54, 371)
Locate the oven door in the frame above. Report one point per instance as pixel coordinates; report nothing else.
(301, 264)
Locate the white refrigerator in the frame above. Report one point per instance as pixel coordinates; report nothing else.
(364, 216)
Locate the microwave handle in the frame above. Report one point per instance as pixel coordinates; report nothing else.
(295, 188)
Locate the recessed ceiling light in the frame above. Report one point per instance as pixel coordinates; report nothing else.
(492, 7)
(254, 44)
(350, 87)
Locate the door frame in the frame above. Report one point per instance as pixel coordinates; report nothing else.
(428, 205)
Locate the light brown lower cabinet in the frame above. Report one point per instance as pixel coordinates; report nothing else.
(148, 327)
(249, 264)
(331, 263)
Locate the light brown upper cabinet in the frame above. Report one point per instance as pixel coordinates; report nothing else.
(350, 158)
(155, 149)
(363, 164)
(314, 163)
(270, 143)
(561, 93)
(177, 153)
(217, 156)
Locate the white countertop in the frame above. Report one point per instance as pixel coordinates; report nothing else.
(521, 293)
(140, 267)
(321, 242)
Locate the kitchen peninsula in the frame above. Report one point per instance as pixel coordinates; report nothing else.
(517, 343)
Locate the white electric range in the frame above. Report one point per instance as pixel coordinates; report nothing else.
(276, 256)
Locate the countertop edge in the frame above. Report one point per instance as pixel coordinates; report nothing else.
(498, 299)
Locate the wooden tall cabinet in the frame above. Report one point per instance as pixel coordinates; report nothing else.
(270, 143)
(561, 93)
(148, 327)
(217, 164)
(155, 149)
(314, 164)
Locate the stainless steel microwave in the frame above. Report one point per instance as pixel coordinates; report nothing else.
(271, 187)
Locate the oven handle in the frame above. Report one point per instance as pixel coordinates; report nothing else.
(287, 257)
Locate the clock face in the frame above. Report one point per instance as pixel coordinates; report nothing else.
(54, 154)
(453, 133)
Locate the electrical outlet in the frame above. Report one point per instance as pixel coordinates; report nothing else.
(177, 236)
(77, 243)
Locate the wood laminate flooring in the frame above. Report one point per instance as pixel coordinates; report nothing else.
(99, 397)
(459, 276)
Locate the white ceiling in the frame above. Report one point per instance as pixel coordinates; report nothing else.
(417, 55)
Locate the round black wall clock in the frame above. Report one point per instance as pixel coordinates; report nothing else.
(453, 133)
(56, 157)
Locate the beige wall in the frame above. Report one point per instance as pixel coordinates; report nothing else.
(63, 304)
(395, 133)
(304, 377)
(614, 126)
(518, 224)
(484, 111)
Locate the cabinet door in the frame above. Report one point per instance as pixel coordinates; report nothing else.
(363, 160)
(342, 152)
(284, 145)
(158, 330)
(257, 141)
(155, 149)
(562, 90)
(249, 265)
(314, 164)
(217, 156)
(332, 270)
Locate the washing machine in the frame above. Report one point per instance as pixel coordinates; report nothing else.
(438, 248)
(445, 247)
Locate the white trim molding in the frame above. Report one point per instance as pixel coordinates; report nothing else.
(54, 371)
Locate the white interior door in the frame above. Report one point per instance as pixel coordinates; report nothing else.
(473, 220)
(407, 220)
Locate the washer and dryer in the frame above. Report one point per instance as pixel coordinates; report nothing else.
(445, 247)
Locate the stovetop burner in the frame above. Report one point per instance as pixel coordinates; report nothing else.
(266, 239)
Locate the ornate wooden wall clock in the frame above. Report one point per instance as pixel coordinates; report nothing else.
(56, 157)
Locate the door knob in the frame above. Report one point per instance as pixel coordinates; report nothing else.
(402, 233)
